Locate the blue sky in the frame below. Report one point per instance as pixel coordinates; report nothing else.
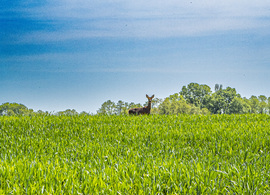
(56, 55)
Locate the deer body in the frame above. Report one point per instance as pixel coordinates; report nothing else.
(143, 110)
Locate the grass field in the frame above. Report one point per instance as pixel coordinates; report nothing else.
(135, 154)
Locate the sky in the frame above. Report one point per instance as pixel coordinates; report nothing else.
(77, 54)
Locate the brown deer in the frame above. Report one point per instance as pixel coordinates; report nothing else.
(143, 110)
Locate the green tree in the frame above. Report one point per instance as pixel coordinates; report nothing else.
(176, 97)
(155, 105)
(40, 112)
(173, 106)
(262, 104)
(108, 108)
(218, 87)
(238, 106)
(165, 107)
(254, 104)
(196, 94)
(182, 107)
(68, 112)
(215, 104)
(220, 102)
(268, 105)
(14, 109)
(83, 113)
(120, 107)
(125, 108)
(133, 105)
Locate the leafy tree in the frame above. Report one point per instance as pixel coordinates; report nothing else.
(176, 97)
(40, 112)
(173, 106)
(254, 104)
(268, 105)
(215, 104)
(195, 94)
(125, 108)
(156, 102)
(229, 94)
(119, 107)
(218, 87)
(107, 107)
(155, 105)
(205, 111)
(238, 106)
(220, 102)
(133, 105)
(10, 109)
(83, 113)
(262, 104)
(68, 112)
(165, 107)
(181, 107)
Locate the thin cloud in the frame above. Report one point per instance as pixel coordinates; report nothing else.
(72, 20)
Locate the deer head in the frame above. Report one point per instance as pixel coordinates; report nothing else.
(150, 98)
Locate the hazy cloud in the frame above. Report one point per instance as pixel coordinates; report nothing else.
(80, 19)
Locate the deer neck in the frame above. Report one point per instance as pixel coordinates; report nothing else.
(149, 106)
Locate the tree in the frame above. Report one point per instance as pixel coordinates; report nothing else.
(173, 106)
(68, 112)
(262, 108)
(10, 109)
(176, 97)
(215, 104)
(133, 105)
(238, 106)
(218, 87)
(195, 94)
(120, 107)
(254, 104)
(83, 113)
(155, 105)
(165, 107)
(125, 108)
(268, 105)
(220, 102)
(108, 108)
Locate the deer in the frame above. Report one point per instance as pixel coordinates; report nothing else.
(143, 110)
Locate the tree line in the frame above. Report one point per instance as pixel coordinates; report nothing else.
(197, 99)
(192, 99)
(13, 109)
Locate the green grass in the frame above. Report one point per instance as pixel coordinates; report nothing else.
(215, 154)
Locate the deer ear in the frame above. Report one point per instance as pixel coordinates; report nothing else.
(152, 96)
(147, 96)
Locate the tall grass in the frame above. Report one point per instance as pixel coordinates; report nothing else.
(135, 154)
